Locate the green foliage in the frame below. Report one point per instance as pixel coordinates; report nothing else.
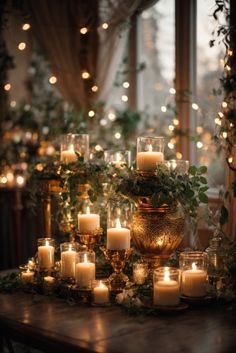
(10, 283)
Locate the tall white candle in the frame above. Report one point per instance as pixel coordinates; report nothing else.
(88, 222)
(46, 256)
(84, 273)
(118, 238)
(166, 292)
(194, 282)
(68, 156)
(101, 294)
(68, 263)
(147, 160)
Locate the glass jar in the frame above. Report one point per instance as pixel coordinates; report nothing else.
(46, 249)
(118, 158)
(85, 269)
(68, 259)
(166, 287)
(73, 145)
(150, 151)
(193, 266)
(100, 292)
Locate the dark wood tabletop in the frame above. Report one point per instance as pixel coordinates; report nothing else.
(52, 325)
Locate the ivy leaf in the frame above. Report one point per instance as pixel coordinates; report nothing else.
(203, 188)
(202, 170)
(223, 215)
(192, 170)
(203, 180)
(203, 197)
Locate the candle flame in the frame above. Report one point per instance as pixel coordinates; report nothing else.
(166, 275)
(70, 247)
(47, 243)
(87, 210)
(118, 224)
(86, 258)
(194, 266)
(101, 285)
(149, 148)
(71, 148)
(28, 270)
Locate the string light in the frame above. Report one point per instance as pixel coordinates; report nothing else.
(25, 27)
(231, 125)
(230, 159)
(171, 127)
(124, 98)
(224, 134)
(13, 104)
(172, 90)
(220, 114)
(105, 25)
(199, 129)
(52, 80)
(111, 116)
(163, 108)
(227, 68)
(91, 113)
(103, 122)
(98, 148)
(7, 87)
(117, 135)
(224, 104)
(83, 30)
(171, 145)
(199, 144)
(175, 122)
(22, 46)
(218, 121)
(94, 88)
(230, 52)
(125, 84)
(195, 106)
(179, 155)
(85, 75)
(20, 180)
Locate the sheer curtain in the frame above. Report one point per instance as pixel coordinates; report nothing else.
(57, 24)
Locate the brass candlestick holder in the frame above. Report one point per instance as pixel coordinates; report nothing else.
(90, 239)
(117, 259)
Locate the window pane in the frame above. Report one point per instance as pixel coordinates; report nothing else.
(209, 70)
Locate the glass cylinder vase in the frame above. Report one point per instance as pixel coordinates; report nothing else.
(46, 249)
(68, 259)
(85, 269)
(166, 287)
(74, 145)
(150, 151)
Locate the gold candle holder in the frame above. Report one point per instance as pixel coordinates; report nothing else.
(117, 259)
(90, 239)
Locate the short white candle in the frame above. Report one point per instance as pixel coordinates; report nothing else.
(27, 276)
(118, 238)
(147, 160)
(49, 279)
(84, 273)
(101, 294)
(68, 156)
(46, 256)
(68, 263)
(88, 222)
(194, 282)
(166, 292)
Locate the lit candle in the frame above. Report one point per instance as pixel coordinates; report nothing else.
(118, 238)
(140, 273)
(49, 279)
(194, 282)
(84, 273)
(68, 156)
(147, 160)
(166, 291)
(88, 222)
(46, 256)
(101, 294)
(68, 263)
(27, 276)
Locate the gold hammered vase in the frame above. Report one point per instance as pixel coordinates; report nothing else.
(157, 231)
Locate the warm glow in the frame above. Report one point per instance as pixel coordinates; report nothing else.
(52, 80)
(91, 113)
(98, 148)
(172, 90)
(28, 270)
(176, 122)
(220, 114)
(47, 243)
(227, 68)
(85, 75)
(105, 25)
(20, 180)
(71, 148)
(126, 84)
(118, 224)
(3, 180)
(230, 52)
(7, 87)
(101, 285)
(171, 145)
(25, 26)
(21, 45)
(163, 108)
(224, 134)
(224, 104)
(111, 116)
(117, 135)
(86, 258)
(70, 247)
(218, 121)
(179, 155)
(230, 159)
(124, 98)
(199, 129)
(194, 266)
(13, 104)
(195, 106)
(94, 88)
(171, 127)
(87, 210)
(199, 144)
(83, 30)
(149, 148)
(166, 275)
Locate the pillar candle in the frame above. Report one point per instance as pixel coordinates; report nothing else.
(49, 279)
(147, 160)
(88, 222)
(101, 294)
(46, 256)
(166, 291)
(84, 273)
(118, 238)
(27, 276)
(194, 282)
(68, 263)
(68, 156)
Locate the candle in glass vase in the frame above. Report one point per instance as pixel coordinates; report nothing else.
(88, 222)
(166, 290)
(68, 257)
(147, 160)
(101, 294)
(84, 272)
(118, 238)
(49, 279)
(194, 282)
(68, 156)
(27, 276)
(45, 253)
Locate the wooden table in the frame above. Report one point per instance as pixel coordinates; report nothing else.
(52, 325)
